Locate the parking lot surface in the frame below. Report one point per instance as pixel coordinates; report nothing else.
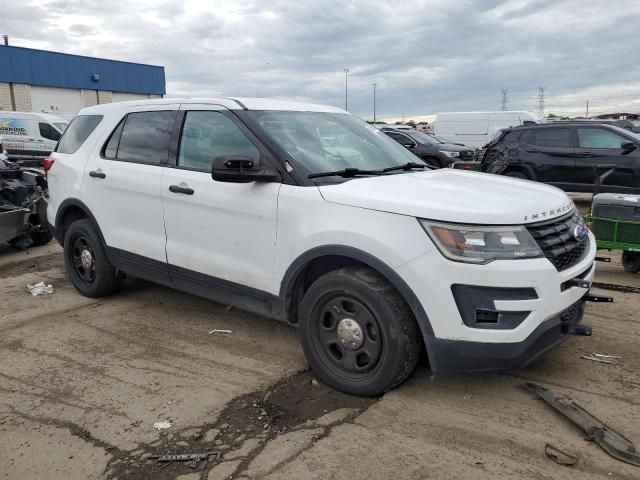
(82, 382)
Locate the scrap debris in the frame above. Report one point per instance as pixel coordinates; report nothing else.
(559, 456)
(162, 424)
(40, 289)
(216, 330)
(596, 431)
(602, 358)
(192, 459)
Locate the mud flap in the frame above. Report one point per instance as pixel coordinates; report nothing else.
(612, 442)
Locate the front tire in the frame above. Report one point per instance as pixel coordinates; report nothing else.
(86, 261)
(631, 261)
(358, 333)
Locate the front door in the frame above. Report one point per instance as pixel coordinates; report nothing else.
(220, 236)
(600, 146)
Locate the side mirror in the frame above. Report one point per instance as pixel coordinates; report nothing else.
(240, 169)
(628, 146)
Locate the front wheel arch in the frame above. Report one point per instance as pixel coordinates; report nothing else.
(295, 280)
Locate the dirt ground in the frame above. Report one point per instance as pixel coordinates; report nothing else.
(82, 382)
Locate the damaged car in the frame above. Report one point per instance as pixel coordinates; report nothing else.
(570, 156)
(23, 206)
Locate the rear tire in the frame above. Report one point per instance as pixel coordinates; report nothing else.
(358, 333)
(86, 261)
(631, 261)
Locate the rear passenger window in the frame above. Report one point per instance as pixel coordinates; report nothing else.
(111, 148)
(207, 135)
(511, 137)
(77, 133)
(553, 137)
(145, 137)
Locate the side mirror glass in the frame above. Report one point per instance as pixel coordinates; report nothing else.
(241, 169)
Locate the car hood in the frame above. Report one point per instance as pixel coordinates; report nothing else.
(453, 196)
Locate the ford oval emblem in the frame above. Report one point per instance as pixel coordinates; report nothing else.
(580, 232)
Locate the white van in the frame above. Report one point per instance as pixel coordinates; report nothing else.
(476, 129)
(30, 136)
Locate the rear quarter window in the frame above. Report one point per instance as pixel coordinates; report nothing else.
(77, 133)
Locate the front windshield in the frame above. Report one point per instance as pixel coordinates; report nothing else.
(323, 142)
(424, 138)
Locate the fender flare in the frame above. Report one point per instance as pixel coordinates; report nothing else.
(298, 265)
(64, 206)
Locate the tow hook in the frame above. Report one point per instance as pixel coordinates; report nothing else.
(589, 297)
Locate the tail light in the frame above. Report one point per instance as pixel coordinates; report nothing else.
(47, 163)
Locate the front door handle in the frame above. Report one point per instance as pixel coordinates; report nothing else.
(181, 189)
(97, 174)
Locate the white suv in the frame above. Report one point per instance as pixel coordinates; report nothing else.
(306, 214)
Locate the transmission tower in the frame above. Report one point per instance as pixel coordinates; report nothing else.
(541, 102)
(505, 94)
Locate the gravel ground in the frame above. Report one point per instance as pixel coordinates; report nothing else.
(82, 382)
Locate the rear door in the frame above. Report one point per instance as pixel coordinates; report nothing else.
(122, 188)
(550, 153)
(601, 146)
(220, 236)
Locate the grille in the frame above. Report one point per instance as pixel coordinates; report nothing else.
(555, 238)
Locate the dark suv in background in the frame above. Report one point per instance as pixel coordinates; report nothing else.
(435, 151)
(567, 155)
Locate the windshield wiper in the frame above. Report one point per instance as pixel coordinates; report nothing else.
(347, 173)
(406, 166)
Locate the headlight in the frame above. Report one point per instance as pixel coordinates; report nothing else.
(478, 244)
(450, 154)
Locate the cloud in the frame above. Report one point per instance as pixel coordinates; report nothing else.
(425, 56)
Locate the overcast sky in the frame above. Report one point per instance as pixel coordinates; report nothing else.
(425, 56)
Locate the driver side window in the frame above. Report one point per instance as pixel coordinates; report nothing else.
(209, 134)
(599, 138)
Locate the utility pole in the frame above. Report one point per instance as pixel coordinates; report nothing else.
(346, 89)
(374, 102)
(587, 113)
(541, 102)
(403, 118)
(505, 93)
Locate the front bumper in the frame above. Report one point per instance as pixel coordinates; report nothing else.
(456, 344)
(458, 357)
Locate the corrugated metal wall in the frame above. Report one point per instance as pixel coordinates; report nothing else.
(53, 69)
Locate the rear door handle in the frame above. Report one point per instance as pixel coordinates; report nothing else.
(97, 174)
(180, 189)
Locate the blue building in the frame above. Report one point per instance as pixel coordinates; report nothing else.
(53, 82)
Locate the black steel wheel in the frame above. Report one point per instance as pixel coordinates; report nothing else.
(357, 332)
(347, 334)
(84, 264)
(87, 263)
